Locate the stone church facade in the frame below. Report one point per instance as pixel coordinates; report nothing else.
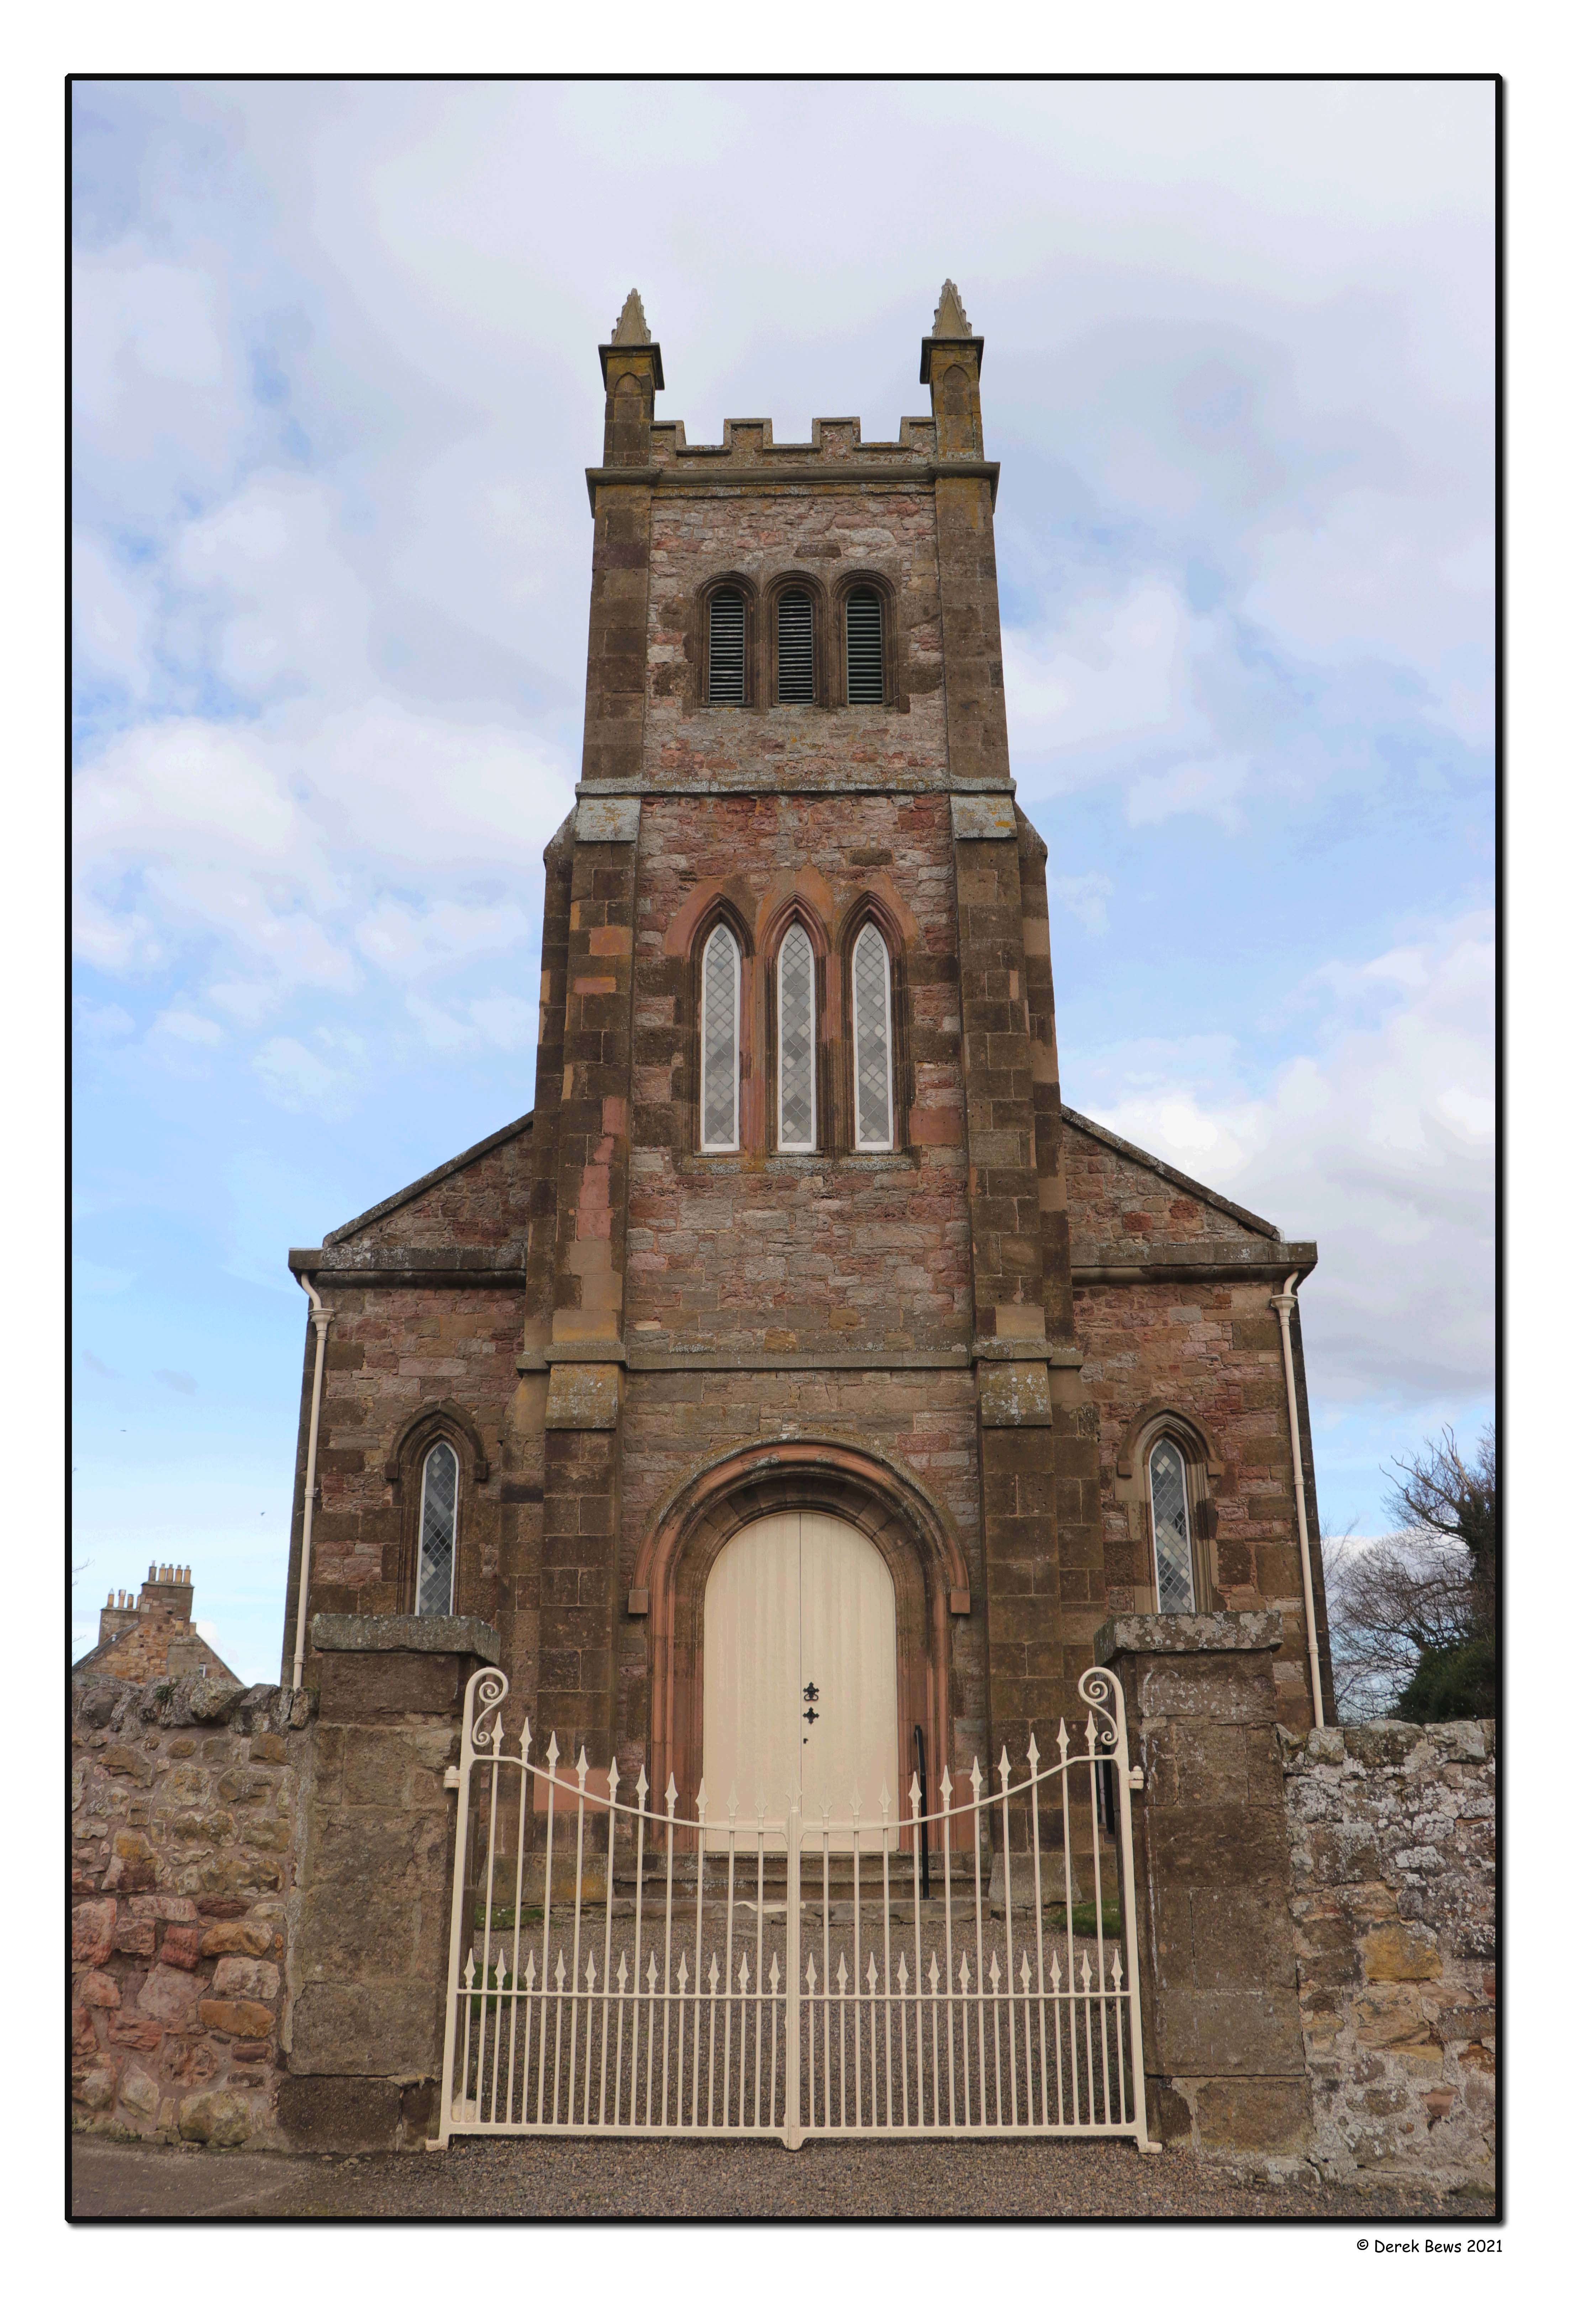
(798, 1220)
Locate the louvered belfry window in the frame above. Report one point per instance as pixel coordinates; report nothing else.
(795, 647)
(796, 1042)
(718, 994)
(865, 647)
(440, 1515)
(724, 680)
(872, 1040)
(1173, 1533)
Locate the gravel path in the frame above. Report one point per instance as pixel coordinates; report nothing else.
(587, 2179)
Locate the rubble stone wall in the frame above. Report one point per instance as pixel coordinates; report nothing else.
(182, 1846)
(1393, 1844)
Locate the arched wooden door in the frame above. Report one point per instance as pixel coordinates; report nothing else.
(801, 1672)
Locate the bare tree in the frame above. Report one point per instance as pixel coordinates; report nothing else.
(1391, 1603)
(1412, 1616)
(1442, 1493)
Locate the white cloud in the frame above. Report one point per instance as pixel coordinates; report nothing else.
(301, 1079)
(1378, 1144)
(181, 1025)
(499, 1020)
(271, 601)
(103, 1024)
(1211, 787)
(1085, 895)
(1108, 671)
(181, 1383)
(161, 404)
(266, 850)
(413, 942)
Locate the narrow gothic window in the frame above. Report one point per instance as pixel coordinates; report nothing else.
(1172, 1533)
(796, 1042)
(440, 1512)
(872, 1040)
(795, 647)
(719, 981)
(865, 647)
(725, 670)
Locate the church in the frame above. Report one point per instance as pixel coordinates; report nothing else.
(790, 1395)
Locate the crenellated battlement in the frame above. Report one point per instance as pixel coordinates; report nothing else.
(750, 441)
(643, 452)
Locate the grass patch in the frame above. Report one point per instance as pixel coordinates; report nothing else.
(503, 1916)
(1084, 1924)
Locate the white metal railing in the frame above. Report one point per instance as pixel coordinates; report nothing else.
(799, 1981)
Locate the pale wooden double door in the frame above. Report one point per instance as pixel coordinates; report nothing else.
(800, 1695)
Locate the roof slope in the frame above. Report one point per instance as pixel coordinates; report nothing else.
(1118, 1194)
(490, 1206)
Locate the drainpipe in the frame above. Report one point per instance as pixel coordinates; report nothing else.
(1281, 1302)
(321, 1319)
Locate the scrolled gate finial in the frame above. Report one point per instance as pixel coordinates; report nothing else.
(1100, 1689)
(491, 1689)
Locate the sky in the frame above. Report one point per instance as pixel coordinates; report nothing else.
(336, 388)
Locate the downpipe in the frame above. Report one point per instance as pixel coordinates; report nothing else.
(1282, 1302)
(320, 1314)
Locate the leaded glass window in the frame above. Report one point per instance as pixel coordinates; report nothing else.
(872, 1039)
(1172, 1533)
(719, 982)
(440, 1513)
(796, 1042)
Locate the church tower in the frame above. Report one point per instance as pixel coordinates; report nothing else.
(797, 1388)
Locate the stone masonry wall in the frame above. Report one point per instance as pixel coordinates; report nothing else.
(1393, 1835)
(814, 531)
(390, 1352)
(183, 1799)
(1210, 1352)
(792, 1253)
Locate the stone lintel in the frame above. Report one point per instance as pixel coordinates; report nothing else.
(1188, 1634)
(416, 1634)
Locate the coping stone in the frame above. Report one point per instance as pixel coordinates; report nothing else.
(987, 816)
(611, 820)
(420, 1634)
(1188, 1634)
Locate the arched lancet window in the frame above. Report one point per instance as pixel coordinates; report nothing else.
(719, 1016)
(1172, 1530)
(795, 1122)
(440, 1526)
(724, 672)
(866, 646)
(795, 647)
(872, 1041)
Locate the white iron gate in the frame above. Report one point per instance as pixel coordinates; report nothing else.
(612, 1972)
